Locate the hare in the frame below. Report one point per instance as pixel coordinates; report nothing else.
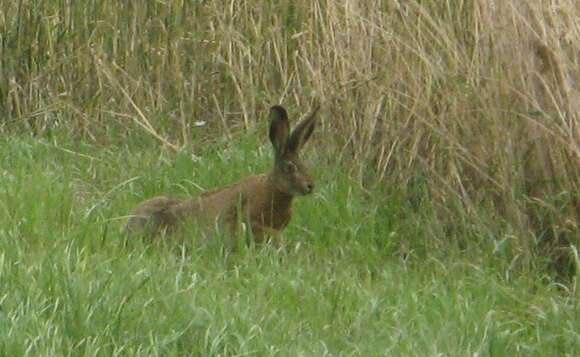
(262, 202)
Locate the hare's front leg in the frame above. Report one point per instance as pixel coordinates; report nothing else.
(263, 234)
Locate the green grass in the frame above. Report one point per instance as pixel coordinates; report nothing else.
(360, 275)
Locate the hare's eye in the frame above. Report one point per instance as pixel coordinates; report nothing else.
(290, 167)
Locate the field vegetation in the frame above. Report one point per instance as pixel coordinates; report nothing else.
(447, 159)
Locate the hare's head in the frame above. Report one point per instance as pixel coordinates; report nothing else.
(289, 174)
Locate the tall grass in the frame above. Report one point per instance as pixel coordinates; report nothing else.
(472, 103)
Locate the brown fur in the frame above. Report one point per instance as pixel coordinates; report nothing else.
(264, 201)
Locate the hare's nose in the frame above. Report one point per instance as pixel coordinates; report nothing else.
(310, 187)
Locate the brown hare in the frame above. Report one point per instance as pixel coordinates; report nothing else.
(262, 202)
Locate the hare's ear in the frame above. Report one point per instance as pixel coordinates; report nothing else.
(279, 129)
(303, 131)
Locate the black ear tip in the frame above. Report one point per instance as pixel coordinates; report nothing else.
(278, 111)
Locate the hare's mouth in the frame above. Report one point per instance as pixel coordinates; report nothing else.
(307, 189)
(301, 191)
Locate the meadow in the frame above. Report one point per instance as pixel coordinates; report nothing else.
(342, 285)
(447, 163)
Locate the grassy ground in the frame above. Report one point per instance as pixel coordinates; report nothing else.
(344, 285)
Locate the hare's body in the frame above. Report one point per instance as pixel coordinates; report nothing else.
(262, 202)
(266, 211)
